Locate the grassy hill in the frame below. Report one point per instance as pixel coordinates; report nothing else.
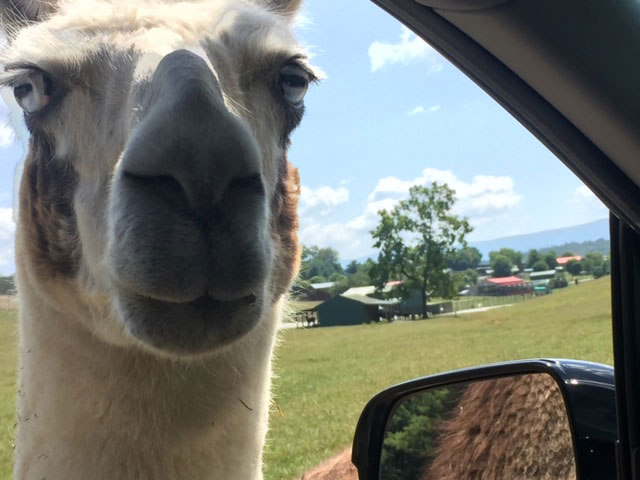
(325, 376)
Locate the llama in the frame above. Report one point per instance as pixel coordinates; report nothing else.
(495, 432)
(157, 231)
(513, 427)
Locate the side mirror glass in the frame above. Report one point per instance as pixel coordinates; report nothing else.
(507, 427)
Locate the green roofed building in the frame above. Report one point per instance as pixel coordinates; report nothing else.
(352, 310)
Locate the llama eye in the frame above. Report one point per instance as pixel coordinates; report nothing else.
(293, 81)
(32, 92)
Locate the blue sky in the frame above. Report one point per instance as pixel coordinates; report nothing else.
(392, 113)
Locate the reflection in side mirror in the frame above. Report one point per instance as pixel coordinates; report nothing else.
(513, 427)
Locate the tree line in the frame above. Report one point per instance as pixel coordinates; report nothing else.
(422, 243)
(7, 285)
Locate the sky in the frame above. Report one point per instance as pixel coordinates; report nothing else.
(391, 113)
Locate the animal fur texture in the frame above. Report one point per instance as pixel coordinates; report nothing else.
(157, 233)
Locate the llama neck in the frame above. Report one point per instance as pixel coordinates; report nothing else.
(91, 410)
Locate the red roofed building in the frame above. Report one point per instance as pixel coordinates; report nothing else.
(505, 286)
(562, 261)
(505, 281)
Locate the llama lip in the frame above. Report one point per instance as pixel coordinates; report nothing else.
(209, 301)
(188, 328)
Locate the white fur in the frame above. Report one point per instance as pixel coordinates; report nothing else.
(95, 402)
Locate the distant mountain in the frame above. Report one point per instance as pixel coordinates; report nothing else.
(582, 248)
(598, 229)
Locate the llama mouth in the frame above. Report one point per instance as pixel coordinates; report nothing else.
(188, 328)
(208, 302)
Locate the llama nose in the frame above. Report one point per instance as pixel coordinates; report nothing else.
(188, 135)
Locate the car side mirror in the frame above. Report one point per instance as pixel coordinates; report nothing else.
(542, 419)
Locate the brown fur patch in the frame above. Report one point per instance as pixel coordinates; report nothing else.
(287, 225)
(514, 427)
(338, 467)
(47, 217)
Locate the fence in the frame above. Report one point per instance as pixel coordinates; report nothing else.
(480, 302)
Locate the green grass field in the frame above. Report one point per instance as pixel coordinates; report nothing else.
(325, 376)
(8, 367)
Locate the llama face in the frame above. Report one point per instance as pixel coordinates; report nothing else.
(157, 189)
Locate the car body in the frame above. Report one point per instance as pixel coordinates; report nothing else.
(568, 72)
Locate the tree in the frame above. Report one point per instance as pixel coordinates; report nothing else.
(464, 259)
(540, 266)
(595, 264)
(568, 254)
(415, 240)
(319, 262)
(351, 268)
(574, 267)
(559, 281)
(501, 266)
(7, 285)
(550, 259)
(463, 279)
(533, 257)
(514, 257)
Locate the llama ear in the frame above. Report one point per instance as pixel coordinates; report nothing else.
(286, 7)
(15, 14)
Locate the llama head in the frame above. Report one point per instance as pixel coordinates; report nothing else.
(157, 205)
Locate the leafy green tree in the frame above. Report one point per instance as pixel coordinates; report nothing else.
(550, 259)
(319, 262)
(465, 258)
(514, 257)
(299, 288)
(559, 281)
(415, 240)
(412, 435)
(462, 279)
(568, 254)
(501, 266)
(540, 266)
(574, 267)
(595, 264)
(7, 285)
(337, 277)
(533, 257)
(352, 267)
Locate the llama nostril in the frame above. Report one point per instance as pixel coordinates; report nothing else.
(165, 186)
(251, 184)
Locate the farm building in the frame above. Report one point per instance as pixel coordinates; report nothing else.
(540, 281)
(562, 261)
(353, 310)
(370, 290)
(544, 275)
(504, 286)
(320, 291)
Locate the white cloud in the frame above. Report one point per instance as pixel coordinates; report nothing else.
(325, 197)
(434, 108)
(7, 239)
(585, 206)
(484, 199)
(583, 193)
(302, 21)
(6, 135)
(485, 195)
(410, 48)
(415, 111)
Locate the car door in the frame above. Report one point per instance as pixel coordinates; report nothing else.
(568, 72)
